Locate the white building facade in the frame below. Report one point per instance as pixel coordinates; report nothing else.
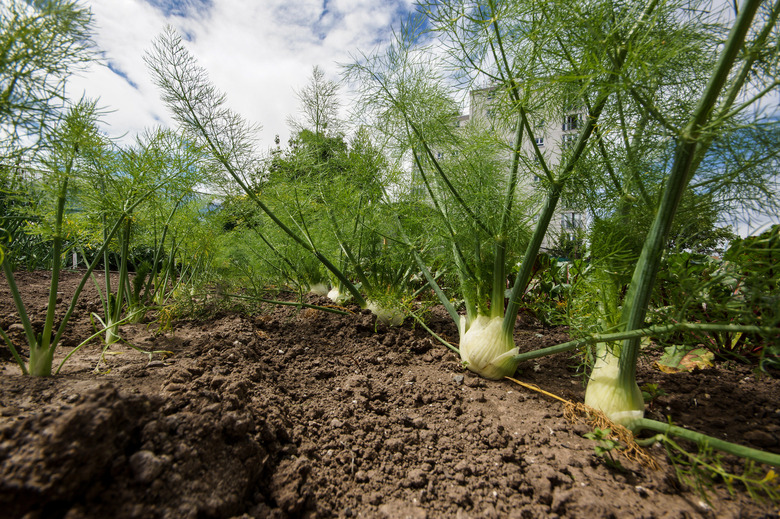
(553, 134)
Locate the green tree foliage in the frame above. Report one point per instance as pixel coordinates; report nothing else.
(319, 106)
(328, 187)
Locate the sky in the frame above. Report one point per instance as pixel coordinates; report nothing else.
(259, 52)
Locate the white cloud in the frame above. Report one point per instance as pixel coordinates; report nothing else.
(256, 52)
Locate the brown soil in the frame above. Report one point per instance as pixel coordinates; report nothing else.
(288, 413)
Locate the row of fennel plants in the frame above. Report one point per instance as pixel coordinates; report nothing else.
(70, 146)
(65, 190)
(99, 195)
(624, 66)
(307, 207)
(658, 83)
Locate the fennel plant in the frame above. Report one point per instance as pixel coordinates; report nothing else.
(618, 394)
(534, 73)
(228, 139)
(736, 82)
(160, 165)
(71, 145)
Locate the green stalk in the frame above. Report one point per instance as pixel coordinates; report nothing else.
(42, 351)
(756, 455)
(162, 286)
(531, 251)
(28, 330)
(499, 265)
(159, 249)
(14, 353)
(107, 271)
(752, 54)
(646, 332)
(427, 274)
(688, 147)
(347, 249)
(556, 188)
(465, 282)
(193, 271)
(112, 333)
(465, 275)
(434, 334)
(425, 286)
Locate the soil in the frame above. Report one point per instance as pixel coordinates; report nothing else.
(289, 413)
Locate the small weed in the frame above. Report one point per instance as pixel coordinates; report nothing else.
(651, 393)
(605, 446)
(701, 471)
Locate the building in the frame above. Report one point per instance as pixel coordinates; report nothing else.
(553, 135)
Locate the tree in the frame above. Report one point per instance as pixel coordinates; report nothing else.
(319, 106)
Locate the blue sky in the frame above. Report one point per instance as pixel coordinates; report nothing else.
(256, 51)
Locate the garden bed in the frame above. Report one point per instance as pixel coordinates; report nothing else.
(288, 413)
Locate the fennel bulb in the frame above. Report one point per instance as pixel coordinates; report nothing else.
(336, 296)
(385, 315)
(485, 349)
(320, 289)
(623, 404)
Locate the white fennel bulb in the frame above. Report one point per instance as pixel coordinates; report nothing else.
(485, 349)
(319, 289)
(385, 315)
(336, 296)
(622, 404)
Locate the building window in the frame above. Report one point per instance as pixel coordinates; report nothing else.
(540, 141)
(571, 122)
(568, 140)
(571, 221)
